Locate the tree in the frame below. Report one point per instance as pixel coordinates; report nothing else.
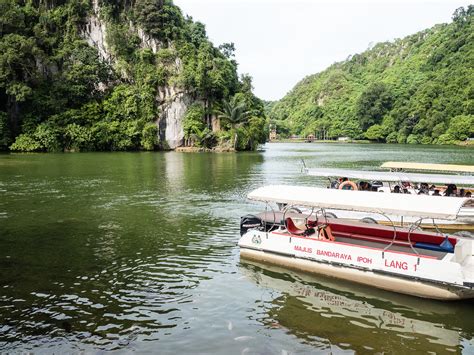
(461, 127)
(161, 19)
(375, 132)
(228, 49)
(193, 124)
(235, 114)
(372, 105)
(17, 74)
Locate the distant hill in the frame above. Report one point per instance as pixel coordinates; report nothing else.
(419, 89)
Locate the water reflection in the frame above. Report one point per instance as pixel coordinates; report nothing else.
(358, 318)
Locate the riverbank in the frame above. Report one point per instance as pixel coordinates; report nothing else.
(289, 140)
(203, 150)
(469, 143)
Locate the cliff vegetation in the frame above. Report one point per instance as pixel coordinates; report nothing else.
(118, 75)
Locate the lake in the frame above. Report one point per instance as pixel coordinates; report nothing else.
(138, 252)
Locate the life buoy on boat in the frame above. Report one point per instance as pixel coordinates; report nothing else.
(325, 233)
(345, 185)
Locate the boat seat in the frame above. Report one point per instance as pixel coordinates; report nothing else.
(292, 228)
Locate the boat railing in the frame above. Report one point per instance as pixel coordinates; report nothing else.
(315, 216)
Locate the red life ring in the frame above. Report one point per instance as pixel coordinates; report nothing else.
(348, 183)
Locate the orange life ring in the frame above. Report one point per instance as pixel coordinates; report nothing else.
(350, 183)
(325, 233)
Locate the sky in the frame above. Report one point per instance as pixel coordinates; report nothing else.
(279, 42)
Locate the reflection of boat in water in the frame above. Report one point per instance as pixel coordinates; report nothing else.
(399, 179)
(418, 263)
(359, 317)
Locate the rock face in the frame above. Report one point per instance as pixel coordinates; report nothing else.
(147, 41)
(95, 32)
(173, 102)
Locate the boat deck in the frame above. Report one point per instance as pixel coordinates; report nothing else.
(354, 239)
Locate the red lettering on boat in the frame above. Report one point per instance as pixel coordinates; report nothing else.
(363, 259)
(332, 254)
(396, 264)
(303, 249)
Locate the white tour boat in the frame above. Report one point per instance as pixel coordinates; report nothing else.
(409, 261)
(385, 181)
(411, 166)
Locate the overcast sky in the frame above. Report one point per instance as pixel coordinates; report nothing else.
(279, 42)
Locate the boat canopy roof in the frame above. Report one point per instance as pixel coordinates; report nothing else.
(390, 176)
(429, 167)
(422, 206)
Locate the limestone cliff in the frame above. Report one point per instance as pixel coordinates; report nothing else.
(84, 75)
(173, 106)
(172, 101)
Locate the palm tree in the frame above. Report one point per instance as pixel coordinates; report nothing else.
(235, 114)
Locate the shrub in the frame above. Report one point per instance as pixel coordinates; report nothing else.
(426, 140)
(375, 132)
(149, 139)
(401, 138)
(461, 127)
(446, 138)
(413, 139)
(392, 138)
(47, 136)
(77, 138)
(26, 143)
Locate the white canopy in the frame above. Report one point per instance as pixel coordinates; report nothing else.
(431, 167)
(393, 176)
(422, 206)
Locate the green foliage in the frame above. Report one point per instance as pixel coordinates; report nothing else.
(149, 140)
(26, 143)
(375, 132)
(413, 139)
(77, 138)
(392, 138)
(461, 127)
(401, 137)
(252, 134)
(129, 102)
(234, 114)
(193, 123)
(446, 138)
(373, 103)
(57, 93)
(426, 140)
(45, 138)
(411, 90)
(206, 138)
(161, 19)
(17, 58)
(122, 41)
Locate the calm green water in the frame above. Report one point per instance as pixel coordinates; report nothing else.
(137, 252)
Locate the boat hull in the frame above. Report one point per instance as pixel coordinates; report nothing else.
(386, 282)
